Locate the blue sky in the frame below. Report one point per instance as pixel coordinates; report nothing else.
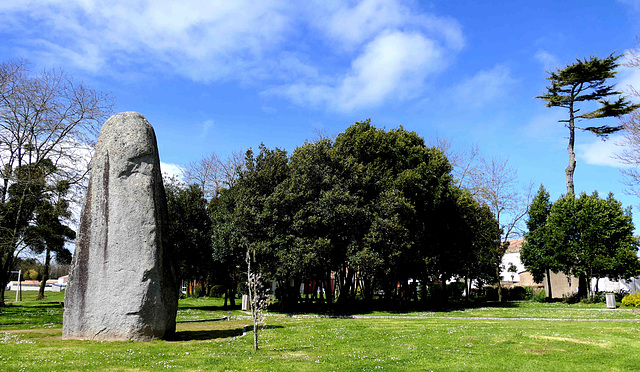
(227, 75)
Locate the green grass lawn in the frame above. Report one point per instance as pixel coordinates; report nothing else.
(299, 343)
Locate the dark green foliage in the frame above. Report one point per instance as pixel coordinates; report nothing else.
(536, 254)
(24, 196)
(586, 237)
(467, 240)
(353, 217)
(228, 245)
(49, 233)
(535, 295)
(585, 80)
(189, 230)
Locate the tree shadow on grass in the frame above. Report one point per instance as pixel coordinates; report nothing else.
(210, 308)
(212, 334)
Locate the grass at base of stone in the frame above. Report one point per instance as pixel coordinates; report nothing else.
(312, 344)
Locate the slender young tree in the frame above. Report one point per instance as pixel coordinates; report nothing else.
(535, 253)
(586, 80)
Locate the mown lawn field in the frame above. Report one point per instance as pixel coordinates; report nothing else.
(520, 336)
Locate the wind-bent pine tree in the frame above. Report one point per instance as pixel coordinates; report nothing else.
(584, 81)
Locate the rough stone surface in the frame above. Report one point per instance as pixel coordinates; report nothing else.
(122, 285)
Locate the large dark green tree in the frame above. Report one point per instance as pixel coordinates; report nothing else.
(227, 242)
(399, 183)
(323, 214)
(262, 224)
(586, 80)
(473, 249)
(592, 237)
(361, 214)
(189, 230)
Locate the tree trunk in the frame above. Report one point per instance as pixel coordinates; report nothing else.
(467, 288)
(45, 274)
(252, 296)
(549, 295)
(328, 290)
(5, 276)
(582, 286)
(499, 284)
(232, 293)
(345, 289)
(571, 168)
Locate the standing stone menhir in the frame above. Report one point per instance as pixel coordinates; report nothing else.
(122, 285)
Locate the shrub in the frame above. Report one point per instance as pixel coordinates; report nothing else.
(573, 298)
(631, 300)
(455, 290)
(217, 291)
(535, 295)
(198, 290)
(242, 289)
(515, 293)
(30, 274)
(597, 298)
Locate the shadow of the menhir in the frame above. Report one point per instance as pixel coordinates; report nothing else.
(213, 334)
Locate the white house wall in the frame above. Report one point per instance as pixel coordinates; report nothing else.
(507, 259)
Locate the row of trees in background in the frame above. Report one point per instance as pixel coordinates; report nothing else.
(357, 216)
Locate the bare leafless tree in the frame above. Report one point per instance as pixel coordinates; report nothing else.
(44, 117)
(630, 153)
(212, 174)
(496, 185)
(493, 182)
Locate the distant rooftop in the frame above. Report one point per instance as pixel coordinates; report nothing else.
(514, 245)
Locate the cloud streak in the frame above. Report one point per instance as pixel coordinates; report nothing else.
(601, 152)
(379, 50)
(485, 87)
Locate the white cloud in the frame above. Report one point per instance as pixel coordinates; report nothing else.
(485, 87)
(549, 61)
(393, 66)
(628, 78)
(600, 152)
(353, 24)
(203, 40)
(378, 49)
(172, 170)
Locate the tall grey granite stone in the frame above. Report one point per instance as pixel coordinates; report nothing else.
(122, 285)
